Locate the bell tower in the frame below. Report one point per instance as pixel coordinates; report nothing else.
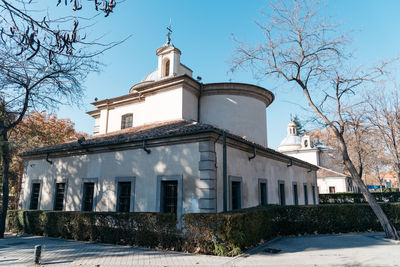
(291, 129)
(169, 58)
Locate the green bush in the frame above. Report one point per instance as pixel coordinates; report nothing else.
(219, 234)
(339, 198)
(231, 233)
(139, 229)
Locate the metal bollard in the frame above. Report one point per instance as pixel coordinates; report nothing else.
(37, 255)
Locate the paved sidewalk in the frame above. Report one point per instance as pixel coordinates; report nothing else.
(18, 251)
(369, 249)
(366, 249)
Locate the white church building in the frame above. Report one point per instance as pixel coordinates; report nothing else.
(173, 145)
(330, 180)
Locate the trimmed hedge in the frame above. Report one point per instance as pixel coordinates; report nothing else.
(138, 229)
(339, 198)
(219, 234)
(232, 233)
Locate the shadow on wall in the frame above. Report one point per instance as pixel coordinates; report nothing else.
(167, 160)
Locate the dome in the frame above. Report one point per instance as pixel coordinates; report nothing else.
(291, 142)
(151, 77)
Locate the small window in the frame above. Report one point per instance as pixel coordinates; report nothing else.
(126, 121)
(124, 196)
(332, 190)
(35, 196)
(263, 193)
(295, 195)
(166, 68)
(169, 197)
(88, 192)
(236, 196)
(59, 196)
(313, 194)
(305, 195)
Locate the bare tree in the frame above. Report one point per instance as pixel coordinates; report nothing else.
(365, 148)
(363, 145)
(384, 114)
(306, 51)
(41, 66)
(20, 23)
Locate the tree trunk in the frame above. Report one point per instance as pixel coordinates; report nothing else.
(388, 228)
(6, 161)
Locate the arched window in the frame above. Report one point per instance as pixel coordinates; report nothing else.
(305, 143)
(126, 121)
(166, 68)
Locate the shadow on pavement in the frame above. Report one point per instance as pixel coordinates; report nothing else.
(320, 242)
(61, 251)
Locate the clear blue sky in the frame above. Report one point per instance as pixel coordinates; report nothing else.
(202, 31)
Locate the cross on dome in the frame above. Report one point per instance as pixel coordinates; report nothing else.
(169, 28)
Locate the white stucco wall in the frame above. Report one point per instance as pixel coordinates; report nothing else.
(340, 184)
(173, 160)
(174, 57)
(160, 107)
(189, 105)
(181, 160)
(260, 167)
(241, 115)
(308, 155)
(169, 105)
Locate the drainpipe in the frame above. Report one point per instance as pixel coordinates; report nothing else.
(148, 151)
(310, 170)
(224, 173)
(47, 159)
(290, 163)
(254, 153)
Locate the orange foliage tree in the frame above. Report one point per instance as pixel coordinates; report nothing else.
(36, 130)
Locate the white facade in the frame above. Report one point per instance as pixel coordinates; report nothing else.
(106, 168)
(164, 142)
(176, 96)
(272, 172)
(310, 155)
(330, 181)
(330, 185)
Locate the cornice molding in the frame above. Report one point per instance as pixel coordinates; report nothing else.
(239, 89)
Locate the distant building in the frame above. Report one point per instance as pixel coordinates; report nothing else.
(172, 144)
(385, 180)
(330, 180)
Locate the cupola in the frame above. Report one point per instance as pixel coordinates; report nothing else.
(169, 64)
(169, 61)
(292, 141)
